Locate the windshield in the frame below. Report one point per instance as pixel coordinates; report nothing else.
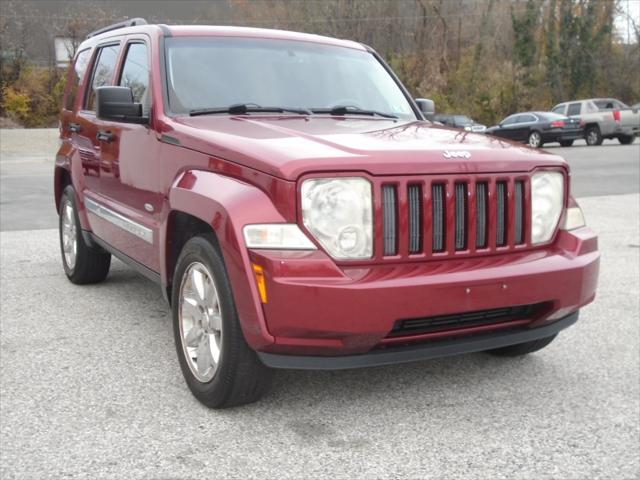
(218, 72)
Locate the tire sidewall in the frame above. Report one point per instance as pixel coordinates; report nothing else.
(200, 249)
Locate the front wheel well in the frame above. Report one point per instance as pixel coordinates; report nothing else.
(62, 178)
(181, 228)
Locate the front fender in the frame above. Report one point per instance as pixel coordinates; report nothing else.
(227, 204)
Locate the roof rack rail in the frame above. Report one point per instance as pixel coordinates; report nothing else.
(127, 23)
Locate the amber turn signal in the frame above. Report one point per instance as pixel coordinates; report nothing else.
(258, 271)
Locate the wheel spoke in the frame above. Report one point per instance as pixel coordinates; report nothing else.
(193, 337)
(205, 359)
(190, 308)
(215, 322)
(197, 280)
(215, 349)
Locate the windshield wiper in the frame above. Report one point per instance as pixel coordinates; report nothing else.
(242, 108)
(349, 110)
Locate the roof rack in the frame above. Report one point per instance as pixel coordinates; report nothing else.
(127, 23)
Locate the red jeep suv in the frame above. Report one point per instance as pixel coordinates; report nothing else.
(299, 211)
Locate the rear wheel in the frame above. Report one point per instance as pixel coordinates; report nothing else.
(523, 348)
(626, 139)
(593, 136)
(535, 139)
(219, 367)
(566, 143)
(82, 263)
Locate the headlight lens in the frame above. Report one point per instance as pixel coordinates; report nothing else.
(337, 211)
(547, 192)
(573, 219)
(280, 236)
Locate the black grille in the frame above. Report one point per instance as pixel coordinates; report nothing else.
(389, 218)
(439, 220)
(501, 214)
(461, 216)
(519, 220)
(415, 218)
(481, 215)
(439, 323)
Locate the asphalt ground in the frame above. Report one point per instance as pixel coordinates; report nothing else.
(90, 386)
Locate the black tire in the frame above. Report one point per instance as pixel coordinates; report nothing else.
(240, 377)
(523, 348)
(534, 140)
(626, 139)
(91, 265)
(592, 136)
(566, 143)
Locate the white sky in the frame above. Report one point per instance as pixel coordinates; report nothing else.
(629, 8)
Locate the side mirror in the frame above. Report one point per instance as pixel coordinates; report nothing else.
(116, 103)
(427, 107)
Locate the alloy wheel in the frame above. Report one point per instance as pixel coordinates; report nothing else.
(200, 320)
(69, 240)
(534, 140)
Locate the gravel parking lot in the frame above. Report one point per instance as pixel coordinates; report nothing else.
(91, 387)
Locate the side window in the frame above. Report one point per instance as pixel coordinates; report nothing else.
(592, 108)
(559, 109)
(75, 77)
(103, 71)
(510, 120)
(574, 109)
(135, 74)
(525, 118)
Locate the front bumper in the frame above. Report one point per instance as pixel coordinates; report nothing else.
(412, 353)
(315, 308)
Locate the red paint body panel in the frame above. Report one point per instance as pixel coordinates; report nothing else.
(231, 171)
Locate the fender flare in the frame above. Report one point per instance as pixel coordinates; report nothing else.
(227, 205)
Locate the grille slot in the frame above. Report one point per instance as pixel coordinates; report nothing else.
(415, 218)
(461, 216)
(417, 326)
(501, 214)
(519, 204)
(390, 219)
(481, 215)
(437, 194)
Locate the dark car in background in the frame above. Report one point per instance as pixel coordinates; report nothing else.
(538, 128)
(460, 121)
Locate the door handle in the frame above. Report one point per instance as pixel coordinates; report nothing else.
(105, 136)
(75, 127)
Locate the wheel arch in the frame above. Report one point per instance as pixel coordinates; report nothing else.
(61, 178)
(208, 202)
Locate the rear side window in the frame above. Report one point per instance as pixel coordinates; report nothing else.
(574, 109)
(75, 77)
(135, 74)
(525, 118)
(103, 72)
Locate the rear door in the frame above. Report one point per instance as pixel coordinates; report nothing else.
(104, 63)
(524, 124)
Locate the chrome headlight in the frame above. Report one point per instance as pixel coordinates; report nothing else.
(547, 201)
(338, 212)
